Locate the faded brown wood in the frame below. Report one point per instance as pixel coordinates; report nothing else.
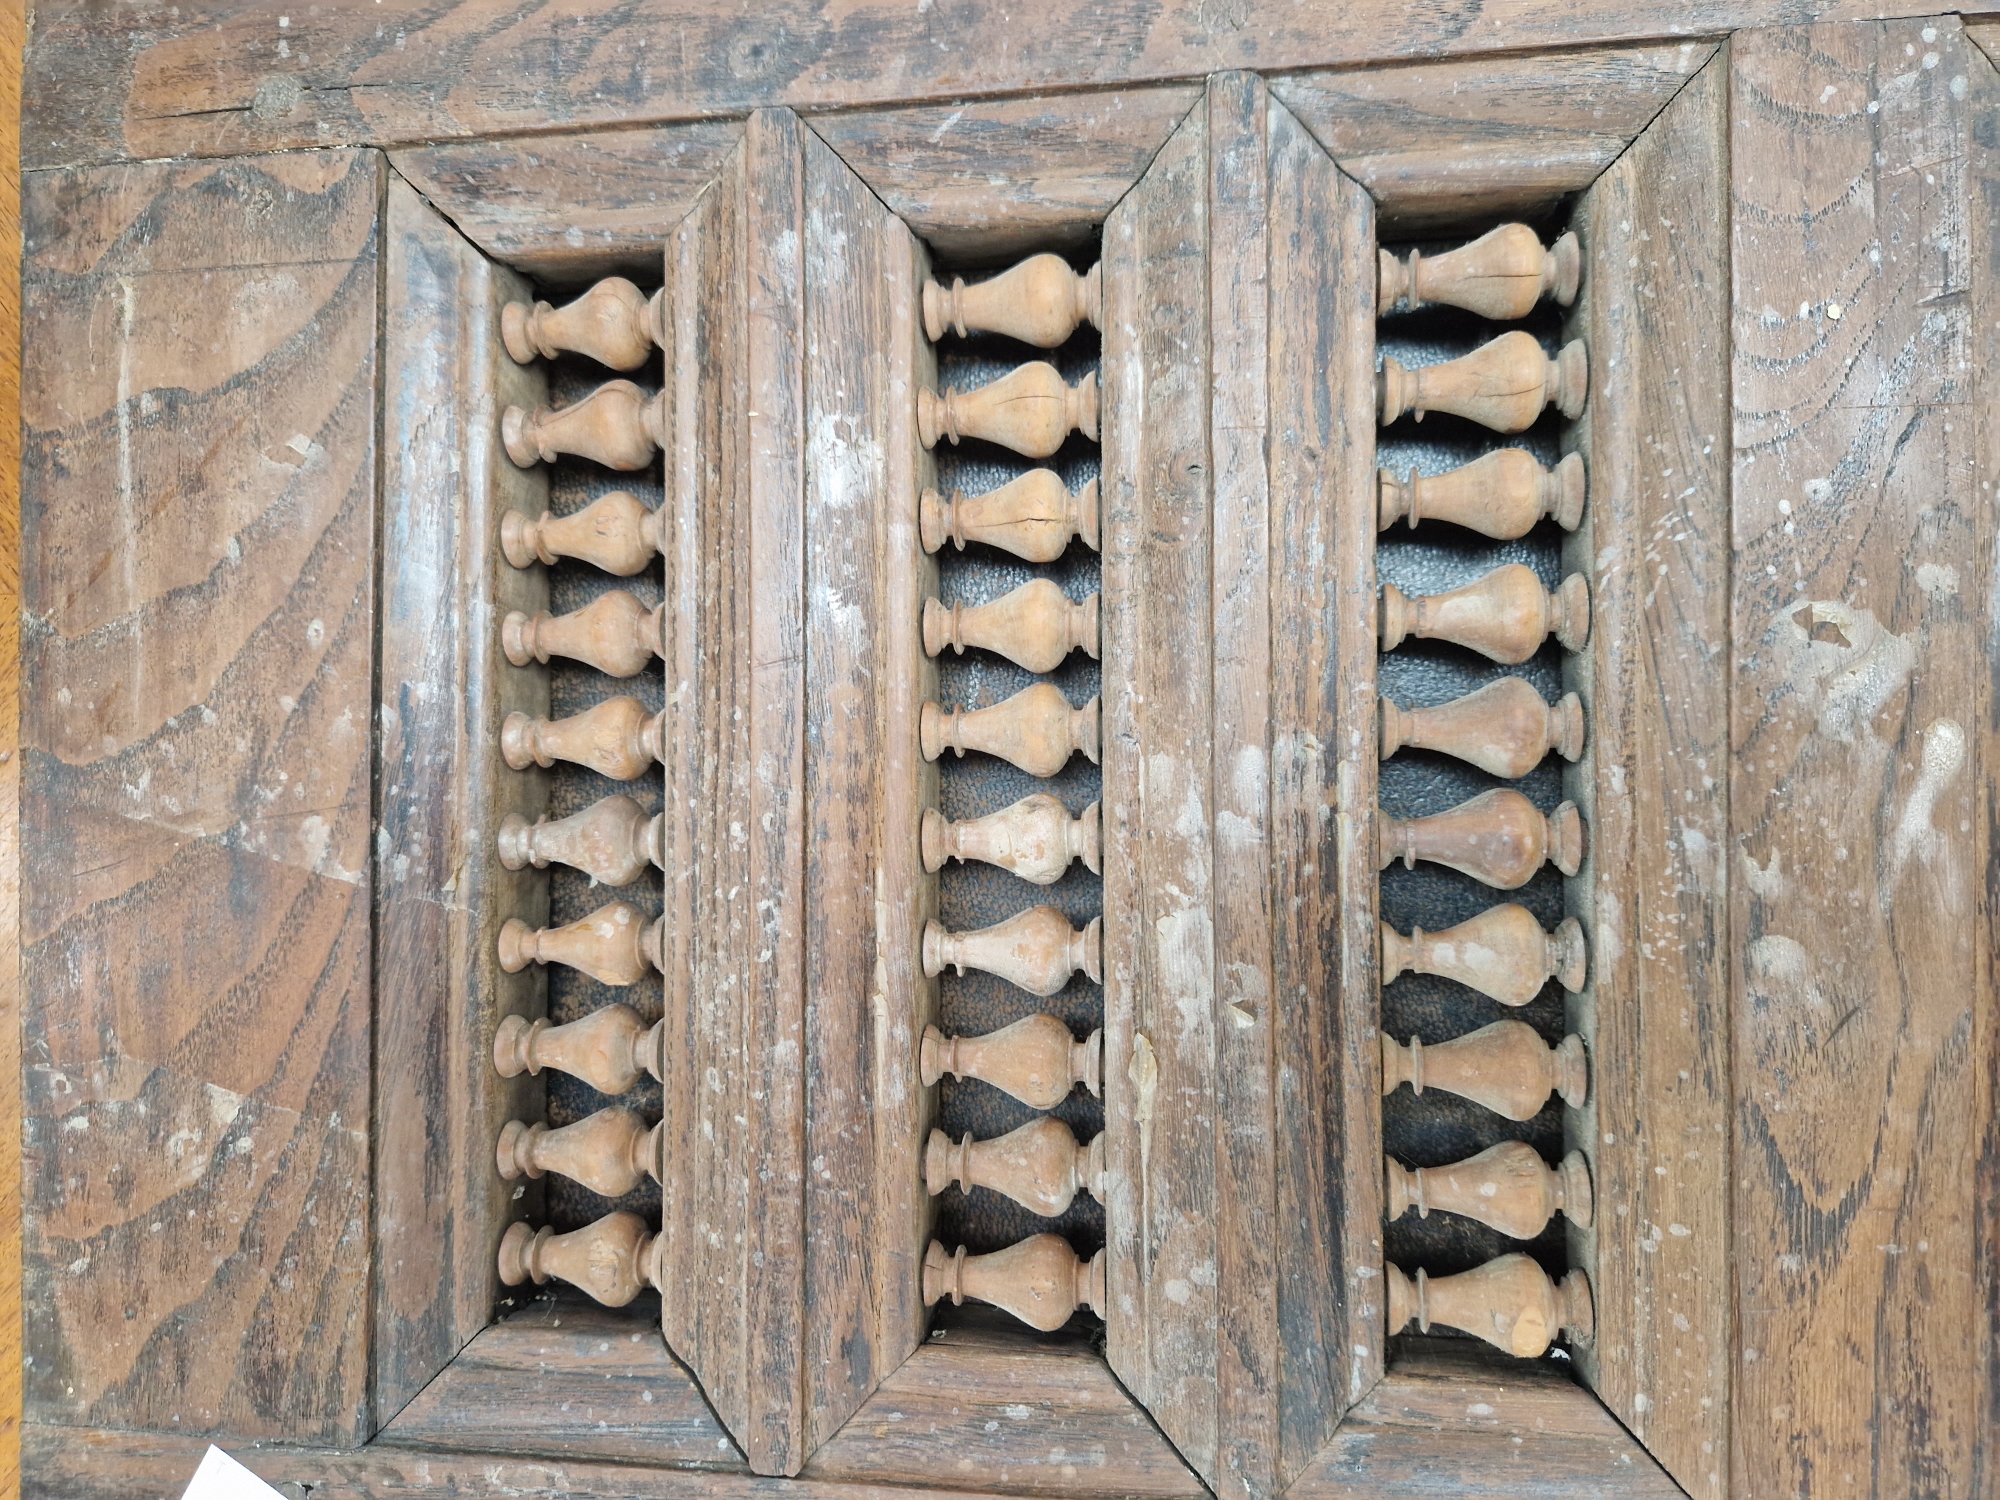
(1862, 569)
(1982, 197)
(13, 33)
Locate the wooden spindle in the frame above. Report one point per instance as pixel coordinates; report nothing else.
(1506, 1067)
(613, 945)
(1503, 385)
(613, 323)
(612, 841)
(610, 1152)
(1040, 1166)
(1041, 1280)
(1037, 950)
(1034, 838)
(1501, 495)
(1035, 1060)
(1041, 301)
(1500, 275)
(1504, 616)
(1033, 517)
(610, 1049)
(1505, 728)
(618, 738)
(1035, 626)
(615, 533)
(614, 633)
(1509, 1302)
(1029, 409)
(1507, 1187)
(1499, 837)
(614, 1259)
(617, 425)
(1036, 729)
(1503, 953)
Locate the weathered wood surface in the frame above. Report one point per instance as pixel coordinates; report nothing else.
(13, 32)
(1982, 196)
(200, 419)
(1655, 1014)
(1863, 567)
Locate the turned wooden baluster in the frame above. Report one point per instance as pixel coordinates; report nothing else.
(613, 323)
(1507, 1187)
(610, 1049)
(1505, 728)
(613, 945)
(1037, 950)
(1504, 616)
(1503, 385)
(614, 633)
(1036, 729)
(1035, 626)
(1500, 275)
(1035, 1060)
(1509, 1302)
(1034, 838)
(617, 425)
(612, 841)
(614, 1259)
(1040, 1165)
(1503, 953)
(1041, 301)
(1041, 1280)
(610, 1152)
(615, 533)
(1033, 517)
(618, 738)
(1506, 1067)
(1499, 837)
(1501, 495)
(1029, 409)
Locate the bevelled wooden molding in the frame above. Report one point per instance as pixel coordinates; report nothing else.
(1503, 953)
(1037, 950)
(1509, 1302)
(615, 532)
(1507, 1187)
(1041, 301)
(1503, 385)
(1501, 494)
(1034, 626)
(1032, 516)
(1034, 838)
(1040, 1280)
(614, 633)
(614, 944)
(610, 1152)
(1036, 1060)
(613, 323)
(610, 1049)
(614, 1259)
(618, 738)
(1505, 728)
(1498, 837)
(1507, 1067)
(1041, 1165)
(617, 425)
(1500, 275)
(1029, 409)
(1036, 729)
(1504, 616)
(613, 841)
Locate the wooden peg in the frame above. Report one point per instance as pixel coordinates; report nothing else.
(1507, 1067)
(614, 1259)
(1505, 616)
(1037, 950)
(1041, 301)
(1503, 953)
(1029, 409)
(1034, 838)
(615, 532)
(1501, 495)
(612, 841)
(1036, 729)
(617, 425)
(618, 738)
(1035, 626)
(1500, 275)
(613, 323)
(1509, 1302)
(1040, 1165)
(613, 945)
(610, 1049)
(614, 633)
(1504, 728)
(1507, 1187)
(610, 1152)
(1035, 1060)
(1041, 1280)
(1502, 385)
(1033, 517)
(1499, 837)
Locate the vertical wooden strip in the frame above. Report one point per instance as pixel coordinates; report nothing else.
(13, 34)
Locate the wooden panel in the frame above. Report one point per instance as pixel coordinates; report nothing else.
(200, 414)
(989, 180)
(572, 207)
(1655, 1013)
(1861, 567)
(13, 33)
(1982, 198)
(1439, 142)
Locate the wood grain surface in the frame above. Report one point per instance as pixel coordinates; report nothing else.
(13, 32)
(1983, 202)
